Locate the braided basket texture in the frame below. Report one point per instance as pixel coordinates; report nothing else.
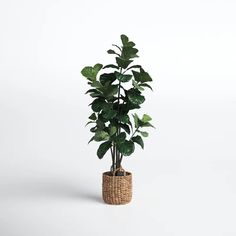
(117, 190)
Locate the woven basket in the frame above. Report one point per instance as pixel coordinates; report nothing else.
(117, 190)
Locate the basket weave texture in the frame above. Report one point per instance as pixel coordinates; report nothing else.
(117, 190)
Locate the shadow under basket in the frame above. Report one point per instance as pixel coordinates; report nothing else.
(117, 190)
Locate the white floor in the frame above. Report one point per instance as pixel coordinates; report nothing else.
(176, 198)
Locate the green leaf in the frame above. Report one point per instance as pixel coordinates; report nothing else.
(141, 76)
(143, 133)
(134, 66)
(101, 135)
(136, 119)
(93, 117)
(122, 77)
(107, 78)
(137, 139)
(129, 52)
(96, 95)
(91, 72)
(137, 75)
(145, 77)
(124, 39)
(146, 85)
(123, 118)
(90, 122)
(98, 104)
(130, 106)
(110, 90)
(91, 140)
(93, 129)
(110, 51)
(91, 91)
(120, 138)
(146, 118)
(136, 85)
(131, 44)
(108, 106)
(126, 148)
(103, 148)
(122, 62)
(111, 66)
(135, 97)
(125, 127)
(109, 114)
(100, 123)
(98, 67)
(147, 124)
(112, 130)
(96, 84)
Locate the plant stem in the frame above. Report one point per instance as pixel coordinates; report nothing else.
(134, 133)
(113, 159)
(117, 151)
(120, 160)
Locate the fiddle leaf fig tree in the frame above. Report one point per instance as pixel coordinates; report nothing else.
(117, 90)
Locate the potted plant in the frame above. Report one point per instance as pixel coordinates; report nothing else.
(116, 91)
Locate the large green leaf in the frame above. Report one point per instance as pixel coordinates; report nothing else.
(130, 106)
(123, 77)
(101, 135)
(100, 123)
(126, 148)
(107, 78)
(125, 127)
(103, 148)
(137, 139)
(98, 104)
(112, 130)
(109, 114)
(97, 67)
(135, 97)
(120, 138)
(91, 72)
(129, 52)
(109, 90)
(123, 118)
(122, 62)
(141, 76)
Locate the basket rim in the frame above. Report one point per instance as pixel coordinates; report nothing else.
(107, 173)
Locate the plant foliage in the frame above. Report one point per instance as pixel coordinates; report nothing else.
(115, 95)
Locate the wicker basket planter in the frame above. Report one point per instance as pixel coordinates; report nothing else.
(117, 190)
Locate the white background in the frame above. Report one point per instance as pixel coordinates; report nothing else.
(50, 179)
